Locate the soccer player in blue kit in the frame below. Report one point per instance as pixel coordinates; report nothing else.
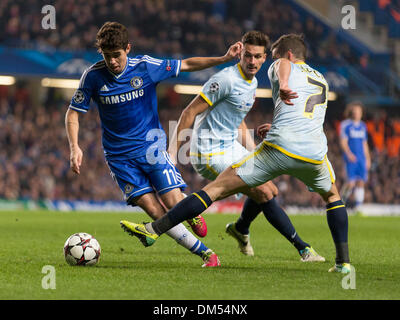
(354, 143)
(134, 143)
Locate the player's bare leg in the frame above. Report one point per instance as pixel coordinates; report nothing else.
(347, 190)
(226, 184)
(152, 206)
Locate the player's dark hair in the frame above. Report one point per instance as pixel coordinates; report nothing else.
(348, 112)
(293, 42)
(112, 36)
(256, 38)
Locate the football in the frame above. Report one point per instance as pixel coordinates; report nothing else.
(82, 249)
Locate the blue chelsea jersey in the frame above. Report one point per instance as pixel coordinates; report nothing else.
(127, 104)
(355, 133)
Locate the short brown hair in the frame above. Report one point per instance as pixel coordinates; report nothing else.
(112, 36)
(256, 38)
(348, 112)
(292, 42)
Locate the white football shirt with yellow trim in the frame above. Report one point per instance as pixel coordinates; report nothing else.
(297, 130)
(230, 96)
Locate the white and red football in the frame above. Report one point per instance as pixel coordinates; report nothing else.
(82, 249)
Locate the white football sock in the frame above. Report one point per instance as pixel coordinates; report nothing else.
(359, 195)
(184, 237)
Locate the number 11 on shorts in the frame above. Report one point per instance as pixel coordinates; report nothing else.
(167, 173)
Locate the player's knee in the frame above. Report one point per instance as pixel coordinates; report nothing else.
(331, 195)
(226, 184)
(171, 198)
(274, 189)
(155, 212)
(262, 194)
(150, 205)
(360, 184)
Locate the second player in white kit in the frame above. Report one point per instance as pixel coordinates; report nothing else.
(220, 138)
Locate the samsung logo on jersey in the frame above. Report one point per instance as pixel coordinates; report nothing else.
(123, 97)
(356, 134)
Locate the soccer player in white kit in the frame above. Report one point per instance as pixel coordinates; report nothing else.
(295, 145)
(220, 138)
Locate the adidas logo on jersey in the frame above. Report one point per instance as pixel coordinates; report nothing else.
(104, 88)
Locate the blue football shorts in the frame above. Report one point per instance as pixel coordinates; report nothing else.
(356, 170)
(137, 176)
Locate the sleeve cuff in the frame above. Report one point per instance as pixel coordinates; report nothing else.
(77, 109)
(178, 68)
(206, 99)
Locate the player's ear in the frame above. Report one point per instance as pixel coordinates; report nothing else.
(128, 48)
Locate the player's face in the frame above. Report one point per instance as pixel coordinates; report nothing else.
(116, 59)
(251, 60)
(356, 113)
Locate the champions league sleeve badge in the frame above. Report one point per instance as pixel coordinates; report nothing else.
(214, 87)
(79, 96)
(136, 82)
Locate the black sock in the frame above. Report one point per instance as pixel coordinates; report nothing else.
(188, 208)
(281, 222)
(336, 215)
(250, 211)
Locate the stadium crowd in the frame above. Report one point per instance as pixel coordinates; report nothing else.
(189, 27)
(34, 152)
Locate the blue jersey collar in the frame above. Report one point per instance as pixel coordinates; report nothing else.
(121, 73)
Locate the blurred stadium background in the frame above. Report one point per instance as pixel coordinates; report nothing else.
(40, 68)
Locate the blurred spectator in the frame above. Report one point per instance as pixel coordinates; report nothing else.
(170, 27)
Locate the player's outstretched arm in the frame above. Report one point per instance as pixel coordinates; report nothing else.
(245, 138)
(72, 129)
(200, 63)
(186, 120)
(283, 68)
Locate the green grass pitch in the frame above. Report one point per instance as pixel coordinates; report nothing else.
(32, 239)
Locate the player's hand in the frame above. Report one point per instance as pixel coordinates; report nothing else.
(368, 164)
(351, 157)
(76, 156)
(234, 51)
(286, 94)
(263, 129)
